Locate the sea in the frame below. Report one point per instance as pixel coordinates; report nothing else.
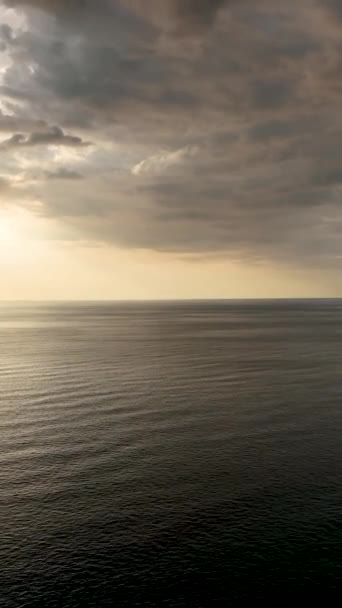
(179, 454)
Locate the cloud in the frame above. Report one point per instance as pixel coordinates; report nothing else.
(198, 11)
(163, 161)
(194, 12)
(335, 7)
(55, 6)
(10, 123)
(53, 136)
(216, 125)
(181, 16)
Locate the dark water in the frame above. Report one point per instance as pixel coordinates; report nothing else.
(170, 455)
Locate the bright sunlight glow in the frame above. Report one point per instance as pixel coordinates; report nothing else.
(7, 231)
(17, 235)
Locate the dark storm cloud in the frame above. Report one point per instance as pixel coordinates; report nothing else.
(335, 7)
(54, 136)
(182, 16)
(202, 11)
(329, 175)
(281, 128)
(195, 12)
(216, 124)
(271, 94)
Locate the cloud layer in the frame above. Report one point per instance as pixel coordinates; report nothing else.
(215, 125)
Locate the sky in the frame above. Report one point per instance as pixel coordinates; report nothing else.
(168, 149)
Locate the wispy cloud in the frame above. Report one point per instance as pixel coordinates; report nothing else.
(159, 163)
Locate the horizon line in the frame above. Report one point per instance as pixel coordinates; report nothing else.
(166, 300)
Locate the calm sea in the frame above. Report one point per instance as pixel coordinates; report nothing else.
(177, 454)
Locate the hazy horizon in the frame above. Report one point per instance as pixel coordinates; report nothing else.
(171, 300)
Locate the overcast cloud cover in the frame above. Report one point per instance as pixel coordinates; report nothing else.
(191, 126)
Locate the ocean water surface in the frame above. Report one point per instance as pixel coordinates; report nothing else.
(174, 454)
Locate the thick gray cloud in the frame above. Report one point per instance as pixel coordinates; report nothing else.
(216, 124)
(181, 16)
(52, 136)
(200, 12)
(335, 7)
